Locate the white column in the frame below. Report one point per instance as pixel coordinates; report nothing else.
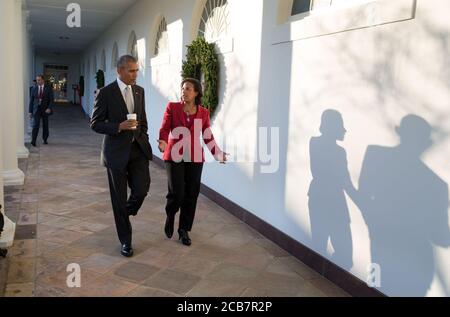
(12, 175)
(7, 236)
(9, 230)
(22, 151)
(27, 74)
(31, 71)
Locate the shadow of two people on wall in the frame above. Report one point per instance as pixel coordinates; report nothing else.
(403, 202)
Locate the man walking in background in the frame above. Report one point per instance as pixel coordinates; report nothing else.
(41, 103)
(33, 86)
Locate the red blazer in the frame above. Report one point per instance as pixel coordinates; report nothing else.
(178, 137)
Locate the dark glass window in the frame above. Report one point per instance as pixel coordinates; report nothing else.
(301, 6)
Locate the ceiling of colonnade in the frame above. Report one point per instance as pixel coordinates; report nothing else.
(48, 19)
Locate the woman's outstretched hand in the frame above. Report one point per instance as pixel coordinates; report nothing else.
(162, 146)
(221, 157)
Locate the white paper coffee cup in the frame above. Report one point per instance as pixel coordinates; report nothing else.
(132, 116)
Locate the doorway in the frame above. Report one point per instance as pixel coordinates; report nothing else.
(56, 76)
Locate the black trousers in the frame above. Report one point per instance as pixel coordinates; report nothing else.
(36, 124)
(137, 176)
(184, 181)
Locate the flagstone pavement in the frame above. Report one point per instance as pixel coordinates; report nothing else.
(63, 215)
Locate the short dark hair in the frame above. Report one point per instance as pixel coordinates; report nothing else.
(197, 88)
(125, 59)
(40, 76)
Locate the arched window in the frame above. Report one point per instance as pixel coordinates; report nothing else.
(162, 38)
(214, 22)
(114, 56)
(132, 45)
(103, 61)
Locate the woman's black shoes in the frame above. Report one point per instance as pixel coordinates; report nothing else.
(127, 250)
(184, 237)
(168, 228)
(183, 234)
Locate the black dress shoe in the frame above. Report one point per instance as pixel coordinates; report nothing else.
(184, 237)
(127, 251)
(33, 144)
(45, 142)
(168, 228)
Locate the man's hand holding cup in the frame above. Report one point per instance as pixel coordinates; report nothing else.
(130, 124)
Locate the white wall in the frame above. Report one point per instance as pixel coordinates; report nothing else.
(29, 74)
(276, 77)
(375, 77)
(70, 60)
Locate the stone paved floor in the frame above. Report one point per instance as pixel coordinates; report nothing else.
(64, 216)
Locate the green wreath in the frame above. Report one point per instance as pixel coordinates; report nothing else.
(202, 59)
(100, 79)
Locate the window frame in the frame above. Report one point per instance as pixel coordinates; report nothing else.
(301, 14)
(328, 20)
(162, 27)
(133, 45)
(162, 58)
(206, 7)
(114, 56)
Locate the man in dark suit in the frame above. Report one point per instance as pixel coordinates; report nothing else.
(126, 150)
(41, 103)
(32, 87)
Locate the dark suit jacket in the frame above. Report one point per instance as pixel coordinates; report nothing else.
(47, 100)
(109, 111)
(31, 90)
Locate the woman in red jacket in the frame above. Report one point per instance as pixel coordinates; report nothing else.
(183, 125)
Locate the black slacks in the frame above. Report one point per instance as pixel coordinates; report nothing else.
(36, 124)
(137, 177)
(184, 181)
